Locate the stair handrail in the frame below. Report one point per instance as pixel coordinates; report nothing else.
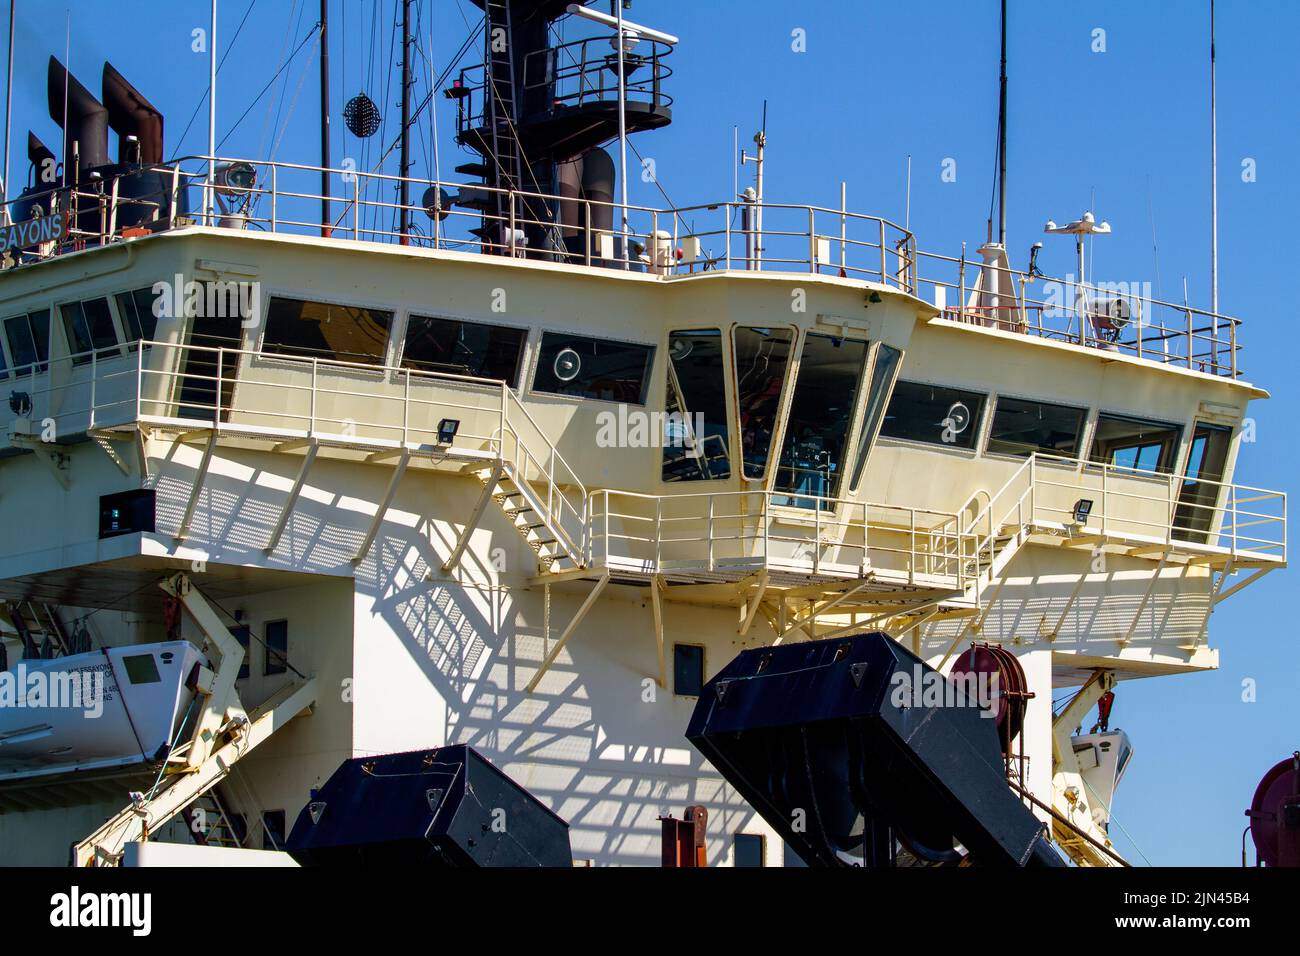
(990, 538)
(556, 497)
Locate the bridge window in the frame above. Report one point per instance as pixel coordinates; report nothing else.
(1023, 426)
(1135, 444)
(463, 348)
(817, 431)
(135, 308)
(90, 329)
(584, 367)
(883, 371)
(29, 341)
(934, 414)
(695, 439)
(762, 357)
(343, 333)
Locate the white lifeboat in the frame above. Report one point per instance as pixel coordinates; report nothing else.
(106, 708)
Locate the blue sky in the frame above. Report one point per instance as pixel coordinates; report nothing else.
(880, 81)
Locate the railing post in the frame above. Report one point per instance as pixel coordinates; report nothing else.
(1232, 346)
(275, 194)
(1105, 471)
(883, 273)
(139, 380)
(406, 410)
(1191, 342)
(94, 380)
(911, 535)
(711, 501)
(659, 514)
(813, 265)
(216, 398)
(311, 409)
(586, 205)
(817, 536)
(726, 223)
(356, 207)
(961, 295)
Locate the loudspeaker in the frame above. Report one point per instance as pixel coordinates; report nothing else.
(447, 807)
(834, 743)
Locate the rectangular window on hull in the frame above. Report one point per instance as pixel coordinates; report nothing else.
(344, 333)
(762, 357)
(29, 341)
(1022, 427)
(277, 647)
(821, 411)
(695, 440)
(1135, 444)
(688, 670)
(89, 327)
(583, 367)
(934, 414)
(463, 348)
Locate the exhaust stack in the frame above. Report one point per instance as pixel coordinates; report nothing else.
(86, 124)
(130, 114)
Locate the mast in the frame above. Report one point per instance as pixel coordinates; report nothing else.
(405, 163)
(1002, 136)
(324, 118)
(209, 200)
(1214, 180)
(622, 127)
(9, 112)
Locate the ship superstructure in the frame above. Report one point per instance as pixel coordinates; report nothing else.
(526, 477)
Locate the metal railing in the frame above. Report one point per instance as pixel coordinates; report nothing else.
(719, 531)
(793, 238)
(1066, 310)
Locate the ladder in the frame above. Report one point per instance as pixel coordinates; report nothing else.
(39, 629)
(211, 823)
(499, 81)
(539, 527)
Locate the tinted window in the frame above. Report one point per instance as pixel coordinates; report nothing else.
(695, 441)
(882, 381)
(136, 311)
(277, 647)
(346, 333)
(688, 670)
(593, 368)
(89, 326)
(141, 669)
(817, 431)
(1135, 444)
(273, 828)
(29, 340)
(933, 414)
(762, 357)
(749, 849)
(1021, 427)
(463, 348)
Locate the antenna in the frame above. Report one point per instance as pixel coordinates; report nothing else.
(209, 198)
(324, 119)
(404, 171)
(1214, 181)
(1002, 136)
(9, 112)
(907, 211)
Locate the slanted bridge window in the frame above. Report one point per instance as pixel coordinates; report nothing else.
(344, 333)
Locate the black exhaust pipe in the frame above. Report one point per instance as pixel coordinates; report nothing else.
(86, 124)
(131, 115)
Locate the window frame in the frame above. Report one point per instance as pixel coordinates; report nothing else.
(782, 406)
(1175, 451)
(977, 427)
(256, 341)
(534, 362)
(704, 668)
(1083, 443)
(398, 349)
(728, 392)
(94, 353)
